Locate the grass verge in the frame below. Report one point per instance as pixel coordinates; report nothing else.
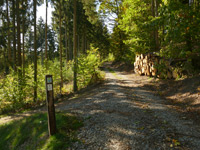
(32, 133)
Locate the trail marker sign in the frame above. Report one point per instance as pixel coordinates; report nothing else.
(50, 105)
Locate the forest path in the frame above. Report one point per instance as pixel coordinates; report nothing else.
(121, 115)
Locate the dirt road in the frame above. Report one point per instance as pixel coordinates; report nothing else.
(121, 115)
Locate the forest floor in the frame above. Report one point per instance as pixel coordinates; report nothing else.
(129, 111)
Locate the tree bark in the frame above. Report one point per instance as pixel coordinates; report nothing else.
(8, 25)
(75, 47)
(46, 31)
(154, 9)
(35, 52)
(23, 50)
(83, 40)
(83, 43)
(71, 47)
(156, 29)
(70, 44)
(66, 40)
(19, 61)
(188, 35)
(60, 47)
(14, 36)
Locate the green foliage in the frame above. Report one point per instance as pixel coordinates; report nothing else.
(110, 57)
(9, 92)
(88, 67)
(162, 69)
(170, 28)
(134, 22)
(17, 96)
(119, 49)
(32, 133)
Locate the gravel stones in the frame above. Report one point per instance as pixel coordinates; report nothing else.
(120, 115)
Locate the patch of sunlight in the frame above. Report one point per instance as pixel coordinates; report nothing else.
(92, 112)
(123, 131)
(99, 101)
(110, 91)
(78, 111)
(115, 74)
(120, 94)
(126, 101)
(158, 107)
(115, 144)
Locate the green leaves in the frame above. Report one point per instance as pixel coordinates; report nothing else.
(88, 67)
(169, 27)
(11, 90)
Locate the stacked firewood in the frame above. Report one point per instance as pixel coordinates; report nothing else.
(147, 64)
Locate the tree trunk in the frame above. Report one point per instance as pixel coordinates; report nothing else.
(5, 52)
(60, 47)
(66, 40)
(70, 42)
(19, 61)
(23, 50)
(83, 41)
(46, 32)
(14, 37)
(153, 14)
(188, 35)
(35, 52)
(8, 25)
(69, 47)
(78, 44)
(156, 29)
(154, 6)
(75, 47)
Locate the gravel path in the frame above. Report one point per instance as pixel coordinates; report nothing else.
(121, 115)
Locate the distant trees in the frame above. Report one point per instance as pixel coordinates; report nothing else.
(170, 28)
(112, 10)
(24, 41)
(86, 31)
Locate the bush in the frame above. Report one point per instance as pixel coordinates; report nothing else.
(88, 68)
(17, 93)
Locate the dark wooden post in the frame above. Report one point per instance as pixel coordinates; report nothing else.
(50, 105)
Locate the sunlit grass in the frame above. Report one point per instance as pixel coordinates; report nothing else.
(32, 133)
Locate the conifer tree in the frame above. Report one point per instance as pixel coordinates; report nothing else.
(35, 51)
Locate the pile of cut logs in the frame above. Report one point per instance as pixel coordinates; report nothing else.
(145, 65)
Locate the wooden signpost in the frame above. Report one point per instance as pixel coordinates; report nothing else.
(50, 105)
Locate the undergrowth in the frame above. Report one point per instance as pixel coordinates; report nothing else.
(16, 93)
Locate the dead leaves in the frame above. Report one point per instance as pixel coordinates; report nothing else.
(173, 142)
(140, 128)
